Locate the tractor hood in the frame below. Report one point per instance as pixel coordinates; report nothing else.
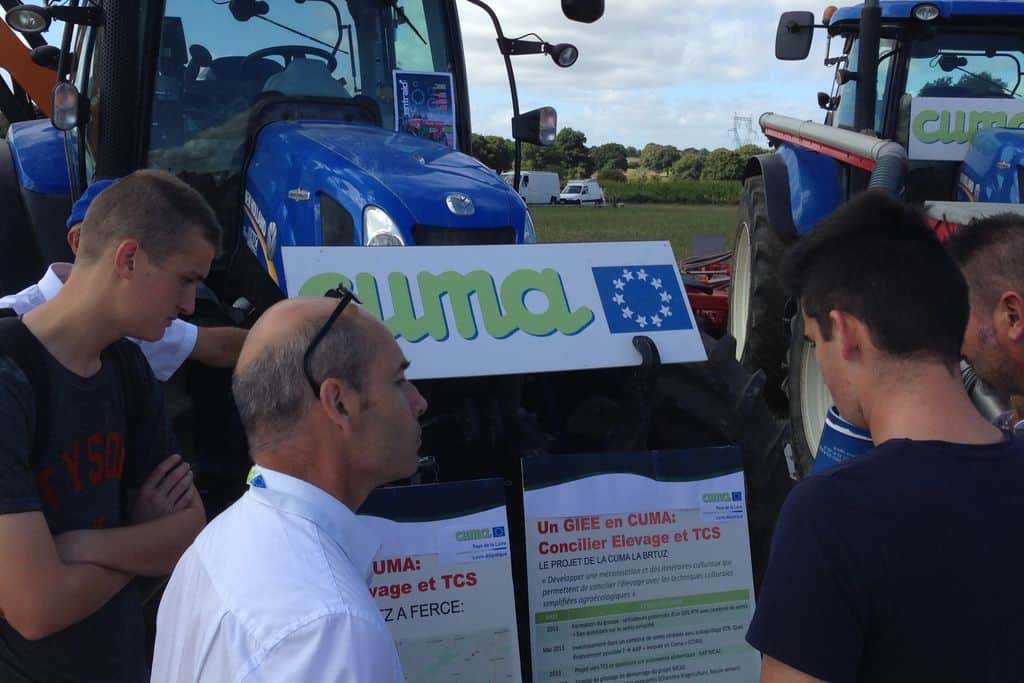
(358, 166)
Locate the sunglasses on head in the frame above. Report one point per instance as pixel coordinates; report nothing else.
(344, 296)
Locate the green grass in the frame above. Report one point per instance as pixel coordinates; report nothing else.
(676, 223)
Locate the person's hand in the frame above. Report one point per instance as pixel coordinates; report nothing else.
(167, 489)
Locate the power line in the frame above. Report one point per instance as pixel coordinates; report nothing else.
(742, 131)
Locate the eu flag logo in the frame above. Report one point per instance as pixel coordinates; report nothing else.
(498, 531)
(641, 298)
(737, 496)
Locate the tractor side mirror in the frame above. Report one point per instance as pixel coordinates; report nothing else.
(538, 127)
(586, 11)
(793, 38)
(827, 102)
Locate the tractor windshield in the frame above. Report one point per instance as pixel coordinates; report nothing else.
(965, 65)
(218, 60)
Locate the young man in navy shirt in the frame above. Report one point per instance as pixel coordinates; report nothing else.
(69, 544)
(903, 564)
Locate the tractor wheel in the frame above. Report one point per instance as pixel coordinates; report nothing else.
(720, 395)
(756, 297)
(809, 399)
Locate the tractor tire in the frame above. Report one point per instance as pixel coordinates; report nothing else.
(722, 397)
(756, 297)
(809, 399)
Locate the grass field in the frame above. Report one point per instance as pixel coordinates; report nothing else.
(676, 223)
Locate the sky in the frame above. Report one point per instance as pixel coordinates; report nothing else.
(666, 71)
(674, 72)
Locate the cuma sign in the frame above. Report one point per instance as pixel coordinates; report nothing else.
(483, 310)
(941, 128)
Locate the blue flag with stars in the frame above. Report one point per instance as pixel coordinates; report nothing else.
(639, 299)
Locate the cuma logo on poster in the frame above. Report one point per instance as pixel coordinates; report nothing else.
(464, 535)
(734, 497)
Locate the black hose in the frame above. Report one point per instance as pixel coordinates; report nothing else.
(889, 170)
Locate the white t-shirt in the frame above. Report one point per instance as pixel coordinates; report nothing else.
(164, 356)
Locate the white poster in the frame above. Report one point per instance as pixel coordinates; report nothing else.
(639, 568)
(443, 580)
(489, 310)
(942, 128)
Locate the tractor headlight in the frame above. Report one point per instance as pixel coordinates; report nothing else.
(926, 12)
(529, 232)
(379, 230)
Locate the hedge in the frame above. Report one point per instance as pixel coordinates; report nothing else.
(674, 192)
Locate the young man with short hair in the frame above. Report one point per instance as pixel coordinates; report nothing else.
(215, 346)
(904, 563)
(68, 548)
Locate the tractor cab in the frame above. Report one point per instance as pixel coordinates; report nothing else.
(283, 114)
(947, 73)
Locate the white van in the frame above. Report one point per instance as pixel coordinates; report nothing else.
(582, 192)
(535, 187)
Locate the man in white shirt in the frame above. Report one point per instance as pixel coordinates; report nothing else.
(276, 587)
(216, 346)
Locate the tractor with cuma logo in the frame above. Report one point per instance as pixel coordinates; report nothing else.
(926, 103)
(283, 115)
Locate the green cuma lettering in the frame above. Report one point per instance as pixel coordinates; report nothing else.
(920, 121)
(959, 127)
(501, 315)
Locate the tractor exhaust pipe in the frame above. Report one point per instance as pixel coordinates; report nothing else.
(867, 66)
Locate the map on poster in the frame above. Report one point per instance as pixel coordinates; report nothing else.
(443, 580)
(639, 567)
(485, 655)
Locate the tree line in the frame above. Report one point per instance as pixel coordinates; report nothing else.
(570, 157)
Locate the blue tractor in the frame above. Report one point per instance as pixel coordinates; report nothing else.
(926, 103)
(328, 122)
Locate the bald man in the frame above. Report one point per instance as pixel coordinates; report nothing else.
(276, 587)
(990, 253)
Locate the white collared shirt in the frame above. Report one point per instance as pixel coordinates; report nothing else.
(276, 588)
(164, 356)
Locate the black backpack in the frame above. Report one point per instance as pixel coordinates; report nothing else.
(21, 346)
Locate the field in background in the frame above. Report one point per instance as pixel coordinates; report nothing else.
(673, 222)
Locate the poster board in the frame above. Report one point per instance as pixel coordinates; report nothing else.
(443, 580)
(942, 128)
(425, 105)
(464, 311)
(639, 567)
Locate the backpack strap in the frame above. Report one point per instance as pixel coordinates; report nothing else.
(123, 350)
(24, 349)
